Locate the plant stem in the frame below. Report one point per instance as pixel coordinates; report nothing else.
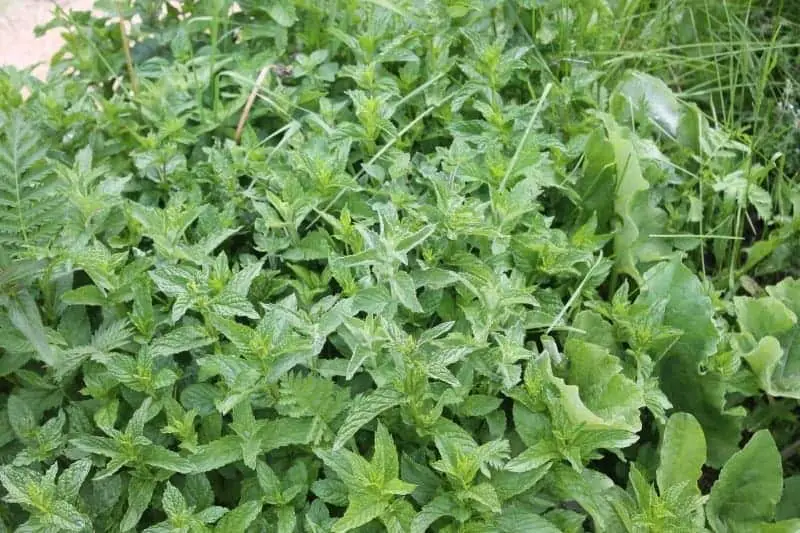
(126, 47)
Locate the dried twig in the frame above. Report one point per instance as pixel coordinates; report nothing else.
(249, 104)
(126, 47)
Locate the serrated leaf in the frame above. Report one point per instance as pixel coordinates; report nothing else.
(385, 457)
(518, 519)
(216, 454)
(360, 511)
(404, 290)
(239, 519)
(140, 492)
(363, 410)
(179, 340)
(72, 478)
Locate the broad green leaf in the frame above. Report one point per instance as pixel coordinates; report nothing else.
(682, 454)
(72, 478)
(749, 486)
(763, 317)
(680, 374)
(789, 506)
(172, 501)
(21, 417)
(629, 182)
(661, 105)
(484, 494)
(283, 12)
(24, 314)
(777, 370)
(602, 386)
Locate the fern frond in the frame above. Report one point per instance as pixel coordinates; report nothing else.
(30, 211)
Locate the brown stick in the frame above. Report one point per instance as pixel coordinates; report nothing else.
(126, 47)
(249, 104)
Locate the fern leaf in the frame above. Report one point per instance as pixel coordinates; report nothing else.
(30, 211)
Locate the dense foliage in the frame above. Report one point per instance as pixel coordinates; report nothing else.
(456, 266)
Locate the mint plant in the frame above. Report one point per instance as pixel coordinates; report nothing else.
(399, 266)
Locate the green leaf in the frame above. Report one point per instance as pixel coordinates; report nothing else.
(179, 340)
(360, 511)
(659, 101)
(745, 492)
(239, 519)
(629, 181)
(404, 290)
(66, 517)
(680, 374)
(602, 386)
(763, 317)
(282, 12)
(172, 501)
(217, 454)
(777, 370)
(385, 457)
(24, 315)
(140, 492)
(484, 494)
(363, 410)
(518, 519)
(72, 478)
(789, 506)
(682, 454)
(23, 420)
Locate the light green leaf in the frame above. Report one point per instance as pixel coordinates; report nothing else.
(72, 478)
(659, 101)
(282, 12)
(484, 494)
(66, 517)
(749, 485)
(682, 453)
(384, 460)
(167, 459)
(172, 501)
(23, 420)
(602, 386)
(690, 310)
(24, 314)
(777, 370)
(629, 181)
(763, 317)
